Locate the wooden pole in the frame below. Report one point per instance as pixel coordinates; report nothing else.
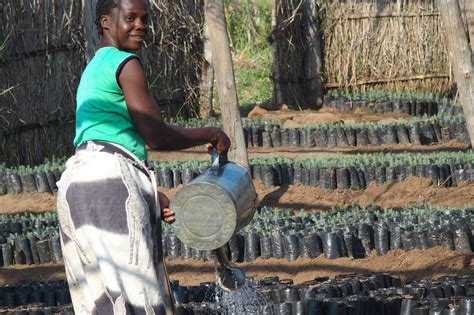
(313, 55)
(222, 62)
(274, 40)
(88, 17)
(206, 86)
(460, 55)
(467, 7)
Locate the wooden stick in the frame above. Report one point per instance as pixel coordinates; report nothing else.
(388, 80)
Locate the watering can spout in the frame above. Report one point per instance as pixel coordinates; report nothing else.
(229, 278)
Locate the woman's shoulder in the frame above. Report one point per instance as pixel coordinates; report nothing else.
(112, 52)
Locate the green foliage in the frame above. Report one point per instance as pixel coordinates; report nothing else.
(249, 24)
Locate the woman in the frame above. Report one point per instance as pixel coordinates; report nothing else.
(108, 206)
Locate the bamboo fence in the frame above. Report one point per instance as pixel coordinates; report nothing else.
(367, 45)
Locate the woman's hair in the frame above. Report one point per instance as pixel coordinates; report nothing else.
(103, 7)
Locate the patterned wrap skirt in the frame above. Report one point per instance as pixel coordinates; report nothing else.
(110, 228)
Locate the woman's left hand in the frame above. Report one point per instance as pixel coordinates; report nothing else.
(167, 215)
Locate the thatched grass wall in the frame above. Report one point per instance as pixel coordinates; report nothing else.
(389, 47)
(367, 45)
(40, 68)
(42, 54)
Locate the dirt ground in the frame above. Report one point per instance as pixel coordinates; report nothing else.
(412, 265)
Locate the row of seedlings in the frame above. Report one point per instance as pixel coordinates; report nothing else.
(324, 172)
(351, 232)
(372, 294)
(357, 171)
(424, 131)
(417, 131)
(381, 102)
(36, 298)
(29, 238)
(27, 179)
(336, 171)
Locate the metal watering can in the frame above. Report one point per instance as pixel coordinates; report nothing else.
(211, 209)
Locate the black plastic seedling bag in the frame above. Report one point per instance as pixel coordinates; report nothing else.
(427, 135)
(380, 175)
(285, 138)
(278, 249)
(28, 182)
(328, 178)
(256, 136)
(374, 136)
(341, 139)
(173, 246)
(267, 175)
(297, 173)
(276, 138)
(389, 135)
(462, 242)
(42, 182)
(331, 245)
(414, 133)
(265, 247)
(291, 246)
(343, 180)
(364, 231)
(402, 134)
(362, 137)
(395, 237)
(236, 247)
(44, 252)
(7, 254)
(314, 177)
(306, 138)
(252, 246)
(22, 251)
(257, 172)
(166, 177)
(266, 139)
(332, 137)
(351, 137)
(14, 184)
(320, 137)
(294, 137)
(287, 174)
(55, 247)
(312, 245)
(186, 252)
(3, 184)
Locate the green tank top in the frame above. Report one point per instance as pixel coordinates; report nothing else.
(101, 112)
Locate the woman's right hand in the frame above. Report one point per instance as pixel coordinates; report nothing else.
(220, 142)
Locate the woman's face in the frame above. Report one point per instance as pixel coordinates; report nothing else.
(127, 25)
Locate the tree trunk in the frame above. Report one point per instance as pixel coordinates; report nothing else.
(222, 62)
(467, 7)
(313, 55)
(274, 40)
(88, 17)
(460, 55)
(206, 88)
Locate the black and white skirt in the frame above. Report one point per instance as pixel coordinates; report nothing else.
(111, 234)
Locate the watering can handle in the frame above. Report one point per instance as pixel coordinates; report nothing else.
(217, 159)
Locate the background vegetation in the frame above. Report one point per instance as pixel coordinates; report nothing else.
(249, 23)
